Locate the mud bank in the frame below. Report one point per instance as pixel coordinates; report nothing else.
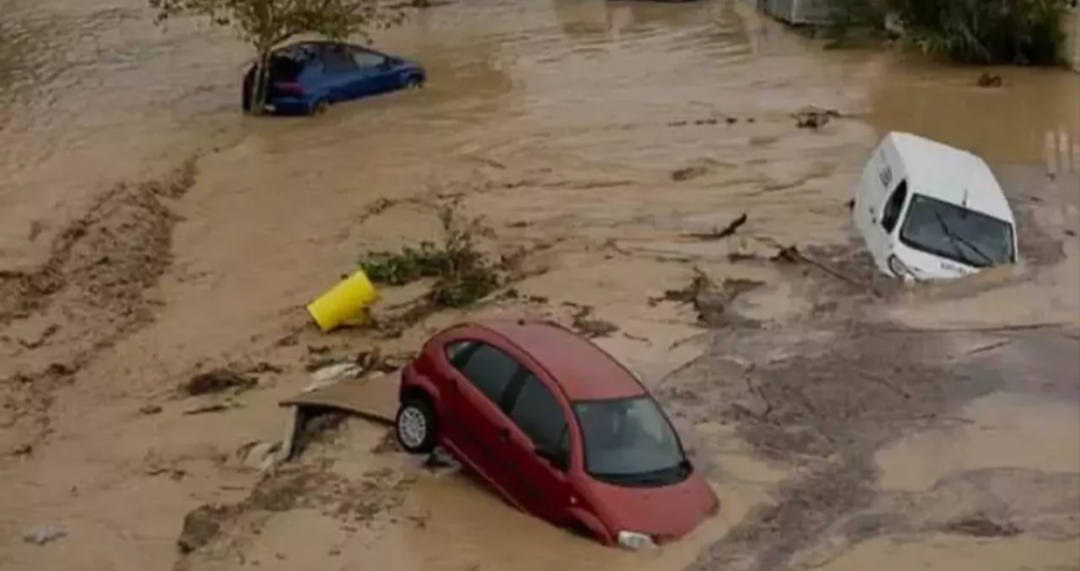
(93, 290)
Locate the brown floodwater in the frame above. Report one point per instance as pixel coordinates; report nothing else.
(588, 105)
(93, 93)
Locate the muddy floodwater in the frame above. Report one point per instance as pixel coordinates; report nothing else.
(149, 232)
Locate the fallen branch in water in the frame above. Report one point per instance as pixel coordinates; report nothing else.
(718, 234)
(987, 328)
(791, 254)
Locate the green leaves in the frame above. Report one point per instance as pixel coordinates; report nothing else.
(265, 23)
(1025, 32)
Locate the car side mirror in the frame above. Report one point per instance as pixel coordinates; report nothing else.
(386, 64)
(556, 458)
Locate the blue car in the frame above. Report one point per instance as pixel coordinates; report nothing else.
(307, 77)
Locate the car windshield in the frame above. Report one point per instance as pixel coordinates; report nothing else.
(629, 441)
(956, 233)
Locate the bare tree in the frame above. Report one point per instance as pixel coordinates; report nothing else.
(266, 23)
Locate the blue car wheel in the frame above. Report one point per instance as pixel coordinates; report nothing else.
(320, 107)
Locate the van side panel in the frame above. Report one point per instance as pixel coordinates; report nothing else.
(868, 202)
(865, 193)
(883, 173)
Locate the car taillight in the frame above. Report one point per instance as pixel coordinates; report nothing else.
(290, 88)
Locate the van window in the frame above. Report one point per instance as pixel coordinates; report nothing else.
(891, 214)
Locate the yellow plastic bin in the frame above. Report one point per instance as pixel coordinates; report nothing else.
(345, 303)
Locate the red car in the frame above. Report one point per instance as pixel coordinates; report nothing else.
(557, 427)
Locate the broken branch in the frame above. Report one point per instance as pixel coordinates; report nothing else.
(718, 234)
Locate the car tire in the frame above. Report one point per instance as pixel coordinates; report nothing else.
(413, 82)
(320, 107)
(415, 426)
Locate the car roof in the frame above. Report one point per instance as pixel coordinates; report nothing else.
(950, 175)
(312, 45)
(582, 369)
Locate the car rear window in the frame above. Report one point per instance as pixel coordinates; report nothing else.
(285, 68)
(489, 370)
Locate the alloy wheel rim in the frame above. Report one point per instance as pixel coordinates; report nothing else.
(412, 427)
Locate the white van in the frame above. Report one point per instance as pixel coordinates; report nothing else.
(930, 211)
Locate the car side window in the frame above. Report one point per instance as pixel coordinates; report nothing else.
(891, 214)
(336, 60)
(458, 351)
(538, 413)
(366, 59)
(489, 370)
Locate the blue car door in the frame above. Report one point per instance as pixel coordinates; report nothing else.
(341, 77)
(378, 74)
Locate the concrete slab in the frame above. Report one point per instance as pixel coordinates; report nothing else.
(373, 397)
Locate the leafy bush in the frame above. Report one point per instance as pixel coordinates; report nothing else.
(462, 273)
(848, 15)
(1024, 32)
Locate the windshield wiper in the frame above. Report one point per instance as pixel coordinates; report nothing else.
(671, 474)
(957, 240)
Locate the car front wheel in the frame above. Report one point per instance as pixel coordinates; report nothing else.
(415, 426)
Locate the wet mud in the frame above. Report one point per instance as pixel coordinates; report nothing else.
(92, 290)
(639, 173)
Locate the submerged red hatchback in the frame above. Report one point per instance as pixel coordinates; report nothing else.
(556, 426)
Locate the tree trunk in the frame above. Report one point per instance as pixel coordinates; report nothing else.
(260, 82)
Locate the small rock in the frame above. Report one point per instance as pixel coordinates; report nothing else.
(688, 173)
(201, 525)
(264, 367)
(982, 526)
(441, 461)
(988, 79)
(150, 409)
(336, 372)
(217, 381)
(43, 534)
(216, 407)
(261, 455)
(23, 450)
(814, 117)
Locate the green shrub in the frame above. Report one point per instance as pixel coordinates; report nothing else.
(846, 16)
(1023, 32)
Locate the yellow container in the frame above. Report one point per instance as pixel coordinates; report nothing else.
(344, 304)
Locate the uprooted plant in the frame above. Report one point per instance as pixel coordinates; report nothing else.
(462, 273)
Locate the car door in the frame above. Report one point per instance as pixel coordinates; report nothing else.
(378, 75)
(340, 75)
(480, 376)
(539, 423)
